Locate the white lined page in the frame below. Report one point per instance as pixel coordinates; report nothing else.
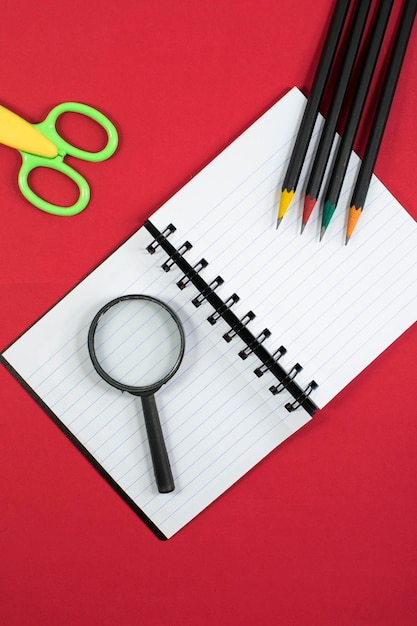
(334, 307)
(359, 297)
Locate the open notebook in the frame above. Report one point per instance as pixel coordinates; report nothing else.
(254, 303)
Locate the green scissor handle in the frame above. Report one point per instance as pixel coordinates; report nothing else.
(32, 161)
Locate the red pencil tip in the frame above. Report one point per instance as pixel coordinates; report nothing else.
(309, 204)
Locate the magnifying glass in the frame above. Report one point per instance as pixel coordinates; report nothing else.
(136, 344)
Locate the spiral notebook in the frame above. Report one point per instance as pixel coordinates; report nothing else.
(276, 324)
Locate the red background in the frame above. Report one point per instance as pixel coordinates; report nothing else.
(323, 531)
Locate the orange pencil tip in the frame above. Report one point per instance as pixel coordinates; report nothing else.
(354, 215)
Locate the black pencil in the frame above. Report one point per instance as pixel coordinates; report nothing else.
(381, 115)
(344, 149)
(329, 129)
(312, 107)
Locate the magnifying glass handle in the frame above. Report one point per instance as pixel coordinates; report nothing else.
(161, 466)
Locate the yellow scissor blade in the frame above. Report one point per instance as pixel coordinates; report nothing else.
(17, 133)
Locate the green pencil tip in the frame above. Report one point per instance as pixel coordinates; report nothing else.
(328, 210)
(323, 230)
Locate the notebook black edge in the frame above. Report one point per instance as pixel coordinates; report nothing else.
(157, 532)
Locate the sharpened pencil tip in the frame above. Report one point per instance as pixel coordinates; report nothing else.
(353, 216)
(347, 241)
(279, 220)
(323, 230)
(284, 201)
(309, 204)
(302, 228)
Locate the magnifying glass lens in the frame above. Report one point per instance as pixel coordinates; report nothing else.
(138, 343)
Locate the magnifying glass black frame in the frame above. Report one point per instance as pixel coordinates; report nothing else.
(160, 460)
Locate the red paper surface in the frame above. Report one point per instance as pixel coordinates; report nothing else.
(323, 530)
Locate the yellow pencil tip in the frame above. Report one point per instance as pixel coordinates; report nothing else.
(284, 202)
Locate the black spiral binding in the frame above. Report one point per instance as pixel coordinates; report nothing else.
(198, 300)
(156, 242)
(238, 327)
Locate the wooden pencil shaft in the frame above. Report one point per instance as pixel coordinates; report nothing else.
(346, 143)
(384, 105)
(329, 129)
(314, 99)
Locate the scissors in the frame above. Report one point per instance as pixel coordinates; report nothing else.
(40, 145)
